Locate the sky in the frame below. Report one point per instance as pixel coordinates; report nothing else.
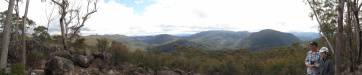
(150, 17)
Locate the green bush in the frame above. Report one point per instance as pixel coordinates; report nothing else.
(34, 59)
(17, 69)
(276, 61)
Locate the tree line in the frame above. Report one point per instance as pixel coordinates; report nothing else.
(340, 27)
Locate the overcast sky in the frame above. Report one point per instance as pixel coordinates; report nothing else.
(148, 17)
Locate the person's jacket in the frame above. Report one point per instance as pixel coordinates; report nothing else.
(326, 67)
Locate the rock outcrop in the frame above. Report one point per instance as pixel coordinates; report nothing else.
(64, 63)
(82, 60)
(59, 66)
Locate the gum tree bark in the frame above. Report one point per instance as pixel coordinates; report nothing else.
(6, 36)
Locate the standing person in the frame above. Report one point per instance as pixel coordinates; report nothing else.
(312, 59)
(326, 63)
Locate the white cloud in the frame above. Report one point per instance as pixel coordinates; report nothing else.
(139, 1)
(184, 16)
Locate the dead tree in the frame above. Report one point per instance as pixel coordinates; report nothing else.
(63, 7)
(72, 20)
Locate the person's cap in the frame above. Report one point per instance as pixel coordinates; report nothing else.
(323, 49)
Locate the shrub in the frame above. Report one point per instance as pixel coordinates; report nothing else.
(34, 59)
(119, 53)
(17, 69)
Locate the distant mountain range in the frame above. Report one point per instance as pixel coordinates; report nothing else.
(219, 39)
(158, 39)
(306, 36)
(267, 39)
(212, 40)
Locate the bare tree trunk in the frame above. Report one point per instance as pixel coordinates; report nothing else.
(358, 42)
(6, 34)
(358, 39)
(62, 29)
(62, 21)
(339, 37)
(358, 32)
(63, 5)
(25, 21)
(349, 46)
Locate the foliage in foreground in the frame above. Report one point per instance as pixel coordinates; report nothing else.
(278, 61)
(274, 61)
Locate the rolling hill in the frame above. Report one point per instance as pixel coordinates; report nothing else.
(210, 40)
(157, 39)
(132, 43)
(170, 47)
(267, 39)
(219, 40)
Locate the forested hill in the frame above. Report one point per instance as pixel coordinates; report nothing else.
(213, 40)
(267, 39)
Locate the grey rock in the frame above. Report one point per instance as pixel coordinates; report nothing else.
(59, 66)
(82, 61)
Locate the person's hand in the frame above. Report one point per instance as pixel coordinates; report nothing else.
(310, 66)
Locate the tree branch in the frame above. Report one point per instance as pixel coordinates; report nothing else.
(56, 2)
(318, 20)
(85, 18)
(359, 6)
